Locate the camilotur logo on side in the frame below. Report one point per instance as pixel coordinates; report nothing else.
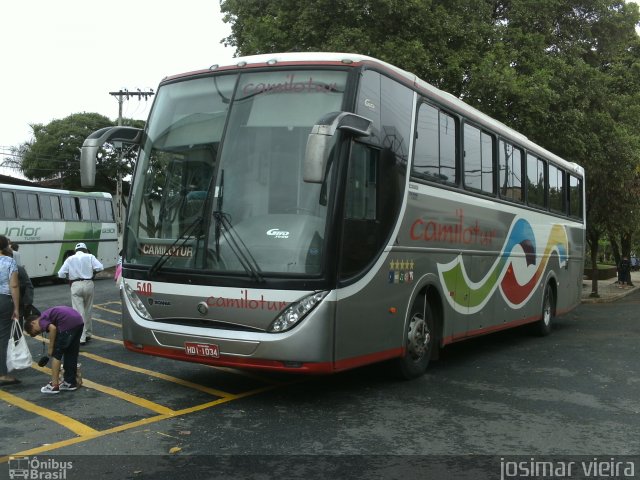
(507, 273)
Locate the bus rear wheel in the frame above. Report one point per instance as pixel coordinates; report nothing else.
(419, 341)
(543, 326)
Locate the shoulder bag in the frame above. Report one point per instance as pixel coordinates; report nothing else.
(18, 353)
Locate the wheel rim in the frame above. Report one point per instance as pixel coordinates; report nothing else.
(418, 337)
(546, 313)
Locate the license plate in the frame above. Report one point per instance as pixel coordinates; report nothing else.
(202, 349)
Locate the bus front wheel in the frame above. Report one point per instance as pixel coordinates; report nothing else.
(419, 341)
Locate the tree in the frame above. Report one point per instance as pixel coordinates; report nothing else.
(54, 152)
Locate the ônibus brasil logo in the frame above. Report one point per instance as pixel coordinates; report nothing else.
(38, 468)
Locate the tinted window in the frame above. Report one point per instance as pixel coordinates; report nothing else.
(575, 197)
(435, 146)
(69, 208)
(88, 209)
(376, 180)
(105, 210)
(8, 207)
(27, 205)
(56, 210)
(45, 207)
(510, 166)
(448, 147)
(556, 189)
(369, 103)
(362, 184)
(535, 181)
(426, 161)
(478, 159)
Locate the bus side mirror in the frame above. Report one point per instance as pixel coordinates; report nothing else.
(321, 139)
(92, 144)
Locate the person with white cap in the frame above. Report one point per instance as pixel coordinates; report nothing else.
(80, 270)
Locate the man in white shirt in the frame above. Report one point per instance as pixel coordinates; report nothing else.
(80, 269)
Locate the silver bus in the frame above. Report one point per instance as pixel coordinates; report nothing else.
(315, 212)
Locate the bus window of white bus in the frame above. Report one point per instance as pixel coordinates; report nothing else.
(32, 217)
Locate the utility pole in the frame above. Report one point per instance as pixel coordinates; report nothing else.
(122, 95)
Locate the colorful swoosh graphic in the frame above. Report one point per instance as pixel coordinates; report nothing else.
(466, 296)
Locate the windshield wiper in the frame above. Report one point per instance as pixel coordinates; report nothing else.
(224, 227)
(236, 245)
(186, 235)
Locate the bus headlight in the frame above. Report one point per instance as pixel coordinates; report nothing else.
(136, 303)
(296, 312)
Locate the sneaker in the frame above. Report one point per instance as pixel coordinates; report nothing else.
(67, 386)
(49, 388)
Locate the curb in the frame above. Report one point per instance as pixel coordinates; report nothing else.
(609, 298)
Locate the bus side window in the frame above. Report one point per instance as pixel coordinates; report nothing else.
(575, 197)
(50, 207)
(45, 207)
(435, 148)
(8, 205)
(27, 204)
(478, 159)
(557, 191)
(56, 210)
(105, 210)
(510, 167)
(88, 210)
(536, 181)
(69, 209)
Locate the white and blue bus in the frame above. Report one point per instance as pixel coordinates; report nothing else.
(314, 212)
(48, 223)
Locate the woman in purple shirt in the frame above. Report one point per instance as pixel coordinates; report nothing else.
(64, 325)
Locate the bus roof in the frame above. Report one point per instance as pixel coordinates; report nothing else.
(445, 99)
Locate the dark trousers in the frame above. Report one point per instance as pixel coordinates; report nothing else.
(66, 349)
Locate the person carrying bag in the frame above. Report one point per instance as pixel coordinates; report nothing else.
(18, 353)
(9, 307)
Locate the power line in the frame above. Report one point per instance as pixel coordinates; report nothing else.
(123, 94)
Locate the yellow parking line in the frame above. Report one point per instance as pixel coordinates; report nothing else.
(105, 339)
(138, 423)
(162, 376)
(75, 426)
(127, 397)
(107, 322)
(100, 307)
(141, 402)
(151, 373)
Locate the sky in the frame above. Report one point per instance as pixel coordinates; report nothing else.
(64, 57)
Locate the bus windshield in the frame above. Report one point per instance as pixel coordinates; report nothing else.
(219, 182)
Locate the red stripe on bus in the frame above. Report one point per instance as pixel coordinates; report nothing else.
(494, 328)
(271, 365)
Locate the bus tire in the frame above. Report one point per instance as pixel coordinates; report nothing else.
(419, 341)
(543, 326)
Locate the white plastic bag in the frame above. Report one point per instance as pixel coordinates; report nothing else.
(18, 353)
